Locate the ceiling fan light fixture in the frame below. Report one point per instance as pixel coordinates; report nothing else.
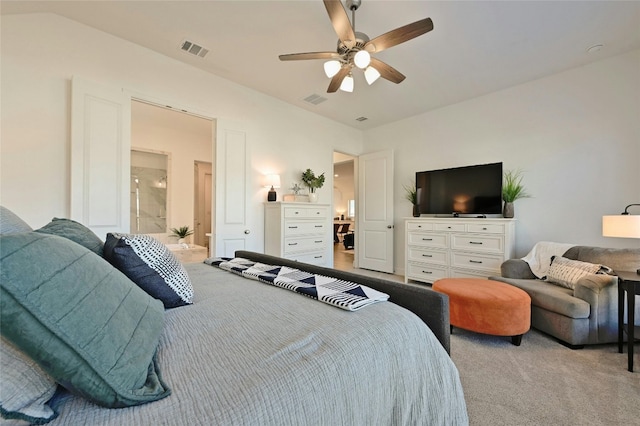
(347, 84)
(362, 59)
(332, 67)
(371, 74)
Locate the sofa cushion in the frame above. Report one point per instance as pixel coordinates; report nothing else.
(566, 272)
(75, 232)
(616, 259)
(85, 323)
(551, 297)
(152, 266)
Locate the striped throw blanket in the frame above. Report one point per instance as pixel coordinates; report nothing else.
(342, 294)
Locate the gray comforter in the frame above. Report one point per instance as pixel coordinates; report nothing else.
(247, 353)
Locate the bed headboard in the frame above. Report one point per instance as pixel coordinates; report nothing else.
(432, 307)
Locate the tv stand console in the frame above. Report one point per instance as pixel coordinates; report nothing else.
(438, 247)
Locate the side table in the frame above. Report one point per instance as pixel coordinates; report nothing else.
(629, 283)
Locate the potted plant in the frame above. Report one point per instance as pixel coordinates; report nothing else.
(512, 189)
(182, 233)
(411, 194)
(312, 182)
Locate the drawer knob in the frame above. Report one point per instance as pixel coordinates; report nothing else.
(293, 244)
(427, 272)
(484, 229)
(318, 242)
(427, 255)
(475, 261)
(317, 257)
(293, 227)
(475, 242)
(427, 239)
(318, 226)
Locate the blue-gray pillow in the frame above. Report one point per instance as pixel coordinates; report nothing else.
(75, 232)
(152, 266)
(85, 323)
(25, 388)
(10, 223)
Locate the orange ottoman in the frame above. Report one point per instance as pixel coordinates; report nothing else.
(486, 306)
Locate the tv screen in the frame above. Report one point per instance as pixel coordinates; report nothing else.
(462, 190)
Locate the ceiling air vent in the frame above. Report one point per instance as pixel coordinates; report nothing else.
(194, 49)
(361, 118)
(314, 99)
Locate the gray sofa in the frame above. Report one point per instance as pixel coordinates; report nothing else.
(587, 314)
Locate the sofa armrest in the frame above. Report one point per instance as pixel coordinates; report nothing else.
(516, 268)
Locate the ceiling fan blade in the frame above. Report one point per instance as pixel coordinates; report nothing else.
(387, 71)
(336, 81)
(399, 35)
(340, 21)
(309, 55)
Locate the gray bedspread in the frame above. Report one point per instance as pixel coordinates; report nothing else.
(247, 353)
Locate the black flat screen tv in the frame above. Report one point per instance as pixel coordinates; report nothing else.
(470, 190)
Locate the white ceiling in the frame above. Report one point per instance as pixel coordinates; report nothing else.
(475, 48)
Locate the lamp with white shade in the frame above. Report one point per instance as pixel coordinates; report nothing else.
(272, 181)
(623, 225)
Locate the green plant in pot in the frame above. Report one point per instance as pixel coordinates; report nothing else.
(182, 233)
(411, 195)
(512, 190)
(312, 182)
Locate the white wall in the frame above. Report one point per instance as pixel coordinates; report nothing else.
(40, 54)
(576, 136)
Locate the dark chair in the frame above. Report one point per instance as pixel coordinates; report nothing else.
(344, 229)
(336, 227)
(349, 240)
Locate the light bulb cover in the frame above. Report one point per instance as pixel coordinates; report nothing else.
(332, 67)
(362, 59)
(347, 84)
(371, 74)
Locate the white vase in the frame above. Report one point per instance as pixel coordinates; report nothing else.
(313, 197)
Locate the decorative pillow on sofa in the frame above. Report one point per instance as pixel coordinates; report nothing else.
(25, 388)
(566, 272)
(86, 324)
(75, 232)
(152, 266)
(10, 223)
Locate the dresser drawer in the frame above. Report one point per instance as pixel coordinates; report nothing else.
(318, 212)
(428, 273)
(486, 228)
(428, 239)
(290, 212)
(313, 258)
(417, 226)
(437, 257)
(461, 273)
(476, 261)
(303, 228)
(457, 227)
(478, 243)
(294, 245)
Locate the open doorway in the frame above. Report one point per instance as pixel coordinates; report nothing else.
(344, 213)
(186, 140)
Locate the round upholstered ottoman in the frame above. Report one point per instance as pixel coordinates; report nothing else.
(487, 306)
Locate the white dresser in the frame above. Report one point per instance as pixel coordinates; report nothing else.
(299, 231)
(456, 247)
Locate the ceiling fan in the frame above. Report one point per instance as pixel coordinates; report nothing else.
(355, 48)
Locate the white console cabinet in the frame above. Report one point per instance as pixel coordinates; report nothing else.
(299, 231)
(456, 247)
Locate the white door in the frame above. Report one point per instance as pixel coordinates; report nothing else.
(233, 230)
(375, 211)
(100, 157)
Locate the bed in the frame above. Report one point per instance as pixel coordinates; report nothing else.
(245, 352)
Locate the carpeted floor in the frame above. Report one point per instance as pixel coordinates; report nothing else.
(542, 382)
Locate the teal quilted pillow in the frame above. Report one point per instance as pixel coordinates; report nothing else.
(85, 323)
(74, 231)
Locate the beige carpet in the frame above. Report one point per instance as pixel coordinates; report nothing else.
(542, 382)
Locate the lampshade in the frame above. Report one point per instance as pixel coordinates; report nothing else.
(622, 226)
(371, 74)
(362, 59)
(332, 67)
(347, 84)
(272, 181)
